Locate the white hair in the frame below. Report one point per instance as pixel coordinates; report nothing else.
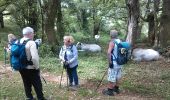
(27, 30)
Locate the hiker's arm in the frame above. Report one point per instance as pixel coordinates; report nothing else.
(75, 55)
(34, 55)
(109, 52)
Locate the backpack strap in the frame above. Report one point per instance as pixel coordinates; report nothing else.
(115, 42)
(71, 48)
(25, 41)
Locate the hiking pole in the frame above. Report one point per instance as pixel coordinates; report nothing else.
(50, 90)
(61, 77)
(44, 79)
(5, 52)
(101, 80)
(67, 79)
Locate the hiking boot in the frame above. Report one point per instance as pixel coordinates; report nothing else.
(70, 85)
(74, 87)
(42, 98)
(116, 89)
(108, 92)
(30, 99)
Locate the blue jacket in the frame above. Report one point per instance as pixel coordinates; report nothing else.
(72, 55)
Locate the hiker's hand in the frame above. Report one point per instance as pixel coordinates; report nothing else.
(66, 62)
(62, 61)
(111, 65)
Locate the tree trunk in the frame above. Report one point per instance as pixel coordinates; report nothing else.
(133, 17)
(96, 28)
(42, 19)
(60, 26)
(96, 23)
(165, 23)
(32, 14)
(84, 20)
(151, 31)
(51, 13)
(157, 22)
(1, 20)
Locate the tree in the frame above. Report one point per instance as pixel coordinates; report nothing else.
(133, 17)
(165, 23)
(3, 5)
(25, 13)
(50, 10)
(60, 25)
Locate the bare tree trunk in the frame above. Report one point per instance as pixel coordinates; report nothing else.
(133, 11)
(96, 23)
(51, 13)
(42, 20)
(1, 20)
(165, 23)
(156, 10)
(60, 26)
(151, 31)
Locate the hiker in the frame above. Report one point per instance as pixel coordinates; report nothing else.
(31, 74)
(69, 57)
(114, 70)
(11, 38)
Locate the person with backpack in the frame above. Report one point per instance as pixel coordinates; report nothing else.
(69, 57)
(11, 39)
(114, 70)
(31, 73)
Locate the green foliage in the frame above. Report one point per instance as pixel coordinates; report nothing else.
(2, 53)
(45, 50)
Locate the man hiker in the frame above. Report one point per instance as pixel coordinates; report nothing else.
(114, 70)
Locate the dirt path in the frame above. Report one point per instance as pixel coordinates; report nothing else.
(124, 95)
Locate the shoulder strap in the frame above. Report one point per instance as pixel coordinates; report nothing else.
(115, 42)
(25, 41)
(71, 48)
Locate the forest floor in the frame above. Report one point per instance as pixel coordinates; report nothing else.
(5, 71)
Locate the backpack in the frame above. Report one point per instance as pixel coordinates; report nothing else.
(18, 58)
(122, 52)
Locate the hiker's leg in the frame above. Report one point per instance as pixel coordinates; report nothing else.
(112, 82)
(36, 81)
(118, 79)
(27, 83)
(111, 77)
(74, 74)
(69, 73)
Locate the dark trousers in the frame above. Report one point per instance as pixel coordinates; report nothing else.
(72, 74)
(31, 77)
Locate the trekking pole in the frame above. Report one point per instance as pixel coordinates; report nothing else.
(44, 79)
(67, 79)
(101, 80)
(61, 77)
(50, 90)
(5, 52)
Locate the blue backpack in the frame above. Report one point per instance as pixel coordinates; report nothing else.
(122, 52)
(18, 58)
